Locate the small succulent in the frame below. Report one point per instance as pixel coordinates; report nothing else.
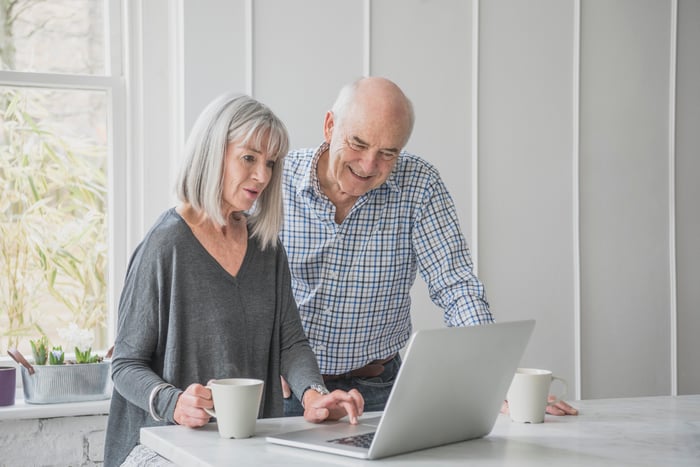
(40, 350)
(56, 357)
(86, 356)
(76, 337)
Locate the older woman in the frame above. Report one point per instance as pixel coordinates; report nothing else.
(208, 291)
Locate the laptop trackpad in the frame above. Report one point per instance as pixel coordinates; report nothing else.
(371, 421)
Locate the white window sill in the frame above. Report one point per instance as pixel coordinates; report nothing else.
(22, 410)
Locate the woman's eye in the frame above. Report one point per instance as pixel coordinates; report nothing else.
(271, 164)
(248, 158)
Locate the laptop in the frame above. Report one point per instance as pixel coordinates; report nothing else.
(450, 388)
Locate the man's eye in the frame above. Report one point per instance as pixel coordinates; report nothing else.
(388, 155)
(355, 146)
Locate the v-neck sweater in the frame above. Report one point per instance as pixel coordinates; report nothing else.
(184, 319)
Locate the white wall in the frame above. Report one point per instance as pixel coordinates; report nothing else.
(566, 130)
(687, 194)
(625, 196)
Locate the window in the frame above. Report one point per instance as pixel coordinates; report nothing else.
(62, 102)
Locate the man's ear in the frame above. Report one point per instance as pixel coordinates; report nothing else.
(328, 125)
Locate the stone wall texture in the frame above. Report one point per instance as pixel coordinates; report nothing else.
(61, 441)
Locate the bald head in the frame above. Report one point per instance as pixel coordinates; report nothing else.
(379, 99)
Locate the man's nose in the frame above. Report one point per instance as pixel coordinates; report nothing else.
(369, 161)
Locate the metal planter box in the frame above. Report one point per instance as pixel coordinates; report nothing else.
(52, 384)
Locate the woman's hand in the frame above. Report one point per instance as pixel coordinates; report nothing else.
(333, 406)
(189, 409)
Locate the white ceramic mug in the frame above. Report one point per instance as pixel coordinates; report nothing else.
(236, 405)
(528, 394)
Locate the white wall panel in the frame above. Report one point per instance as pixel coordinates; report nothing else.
(688, 195)
(625, 255)
(526, 157)
(215, 52)
(303, 53)
(425, 47)
(540, 194)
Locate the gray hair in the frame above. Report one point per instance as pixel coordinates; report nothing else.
(234, 117)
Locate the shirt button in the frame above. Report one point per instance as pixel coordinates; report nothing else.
(333, 275)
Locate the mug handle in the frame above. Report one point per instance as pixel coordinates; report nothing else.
(211, 411)
(563, 395)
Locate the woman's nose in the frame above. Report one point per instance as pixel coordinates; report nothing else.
(262, 172)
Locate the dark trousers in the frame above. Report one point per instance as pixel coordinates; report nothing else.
(375, 390)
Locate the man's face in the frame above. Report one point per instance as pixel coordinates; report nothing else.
(363, 149)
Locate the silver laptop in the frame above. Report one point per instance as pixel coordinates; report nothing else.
(450, 388)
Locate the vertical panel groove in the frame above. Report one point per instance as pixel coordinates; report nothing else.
(366, 63)
(576, 87)
(177, 91)
(672, 198)
(475, 135)
(249, 47)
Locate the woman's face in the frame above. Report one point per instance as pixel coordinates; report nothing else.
(247, 171)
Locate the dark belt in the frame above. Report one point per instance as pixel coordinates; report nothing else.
(370, 370)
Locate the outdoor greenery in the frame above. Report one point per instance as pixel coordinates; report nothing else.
(52, 223)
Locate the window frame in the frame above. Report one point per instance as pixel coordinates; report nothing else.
(145, 38)
(113, 84)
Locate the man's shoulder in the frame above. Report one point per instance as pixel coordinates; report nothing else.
(297, 164)
(299, 156)
(415, 167)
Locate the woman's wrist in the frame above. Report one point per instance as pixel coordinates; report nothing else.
(152, 399)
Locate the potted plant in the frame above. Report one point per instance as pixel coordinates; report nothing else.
(55, 379)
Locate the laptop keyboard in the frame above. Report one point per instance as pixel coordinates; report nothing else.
(360, 441)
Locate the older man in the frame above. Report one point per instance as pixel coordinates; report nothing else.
(361, 218)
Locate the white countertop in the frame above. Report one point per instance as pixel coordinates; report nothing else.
(646, 431)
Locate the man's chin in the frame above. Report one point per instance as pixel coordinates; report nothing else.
(357, 192)
(356, 187)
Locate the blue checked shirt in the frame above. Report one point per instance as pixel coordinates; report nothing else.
(352, 280)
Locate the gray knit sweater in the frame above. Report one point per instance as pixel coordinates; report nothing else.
(183, 319)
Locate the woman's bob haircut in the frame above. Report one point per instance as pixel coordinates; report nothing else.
(240, 118)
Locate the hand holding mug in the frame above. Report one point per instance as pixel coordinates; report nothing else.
(236, 405)
(191, 405)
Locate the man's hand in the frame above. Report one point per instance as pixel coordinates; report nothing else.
(333, 406)
(560, 408)
(189, 409)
